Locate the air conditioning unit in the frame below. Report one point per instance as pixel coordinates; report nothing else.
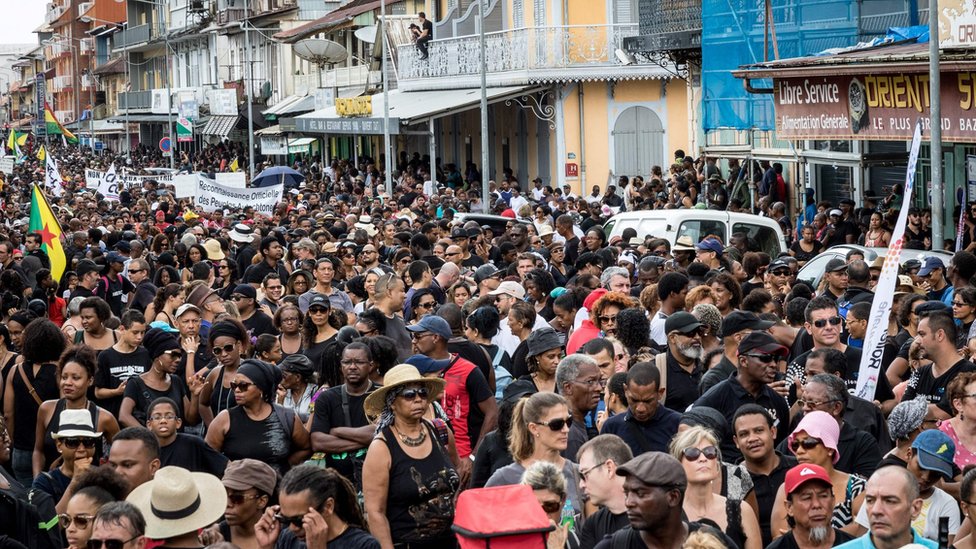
(196, 6)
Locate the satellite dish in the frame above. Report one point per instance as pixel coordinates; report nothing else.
(320, 51)
(366, 34)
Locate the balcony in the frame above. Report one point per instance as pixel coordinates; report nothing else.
(230, 15)
(65, 116)
(61, 83)
(668, 26)
(521, 57)
(53, 13)
(87, 82)
(135, 100)
(342, 77)
(134, 36)
(86, 46)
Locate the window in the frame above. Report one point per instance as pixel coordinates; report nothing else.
(700, 228)
(766, 238)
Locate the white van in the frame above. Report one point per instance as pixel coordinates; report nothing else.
(671, 224)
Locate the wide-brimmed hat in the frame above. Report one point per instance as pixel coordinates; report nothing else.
(173, 505)
(401, 374)
(214, 253)
(366, 223)
(241, 233)
(75, 423)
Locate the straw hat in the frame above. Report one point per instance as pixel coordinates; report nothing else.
(172, 504)
(214, 253)
(401, 374)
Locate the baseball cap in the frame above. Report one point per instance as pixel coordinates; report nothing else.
(711, 245)
(319, 300)
(743, 320)
(593, 297)
(485, 272)
(777, 264)
(123, 246)
(426, 365)
(510, 288)
(936, 451)
(834, 265)
(681, 321)
(86, 266)
(114, 257)
(655, 469)
(930, 264)
(804, 473)
(246, 290)
(186, 307)
(761, 342)
(459, 232)
(247, 473)
(434, 325)
(836, 212)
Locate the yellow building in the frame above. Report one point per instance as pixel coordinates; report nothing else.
(565, 102)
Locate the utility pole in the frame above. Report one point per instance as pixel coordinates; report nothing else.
(935, 121)
(169, 90)
(484, 110)
(388, 154)
(249, 87)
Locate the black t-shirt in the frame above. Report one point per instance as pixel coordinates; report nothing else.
(787, 541)
(260, 323)
(145, 292)
(143, 395)
(922, 383)
(330, 412)
(765, 487)
(599, 525)
(114, 367)
(682, 386)
(352, 538)
(193, 454)
(796, 370)
(255, 273)
(80, 291)
(112, 289)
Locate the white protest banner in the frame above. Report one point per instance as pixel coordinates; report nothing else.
(237, 180)
(877, 330)
(7, 164)
(961, 227)
(52, 178)
(186, 185)
(212, 196)
(109, 185)
(93, 179)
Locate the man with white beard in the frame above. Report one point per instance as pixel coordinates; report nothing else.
(684, 368)
(810, 505)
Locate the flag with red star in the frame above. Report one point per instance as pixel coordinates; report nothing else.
(44, 223)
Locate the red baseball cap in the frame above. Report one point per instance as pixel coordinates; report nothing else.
(804, 473)
(591, 299)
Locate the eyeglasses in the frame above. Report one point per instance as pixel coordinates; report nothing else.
(605, 319)
(133, 271)
(289, 521)
(550, 507)
(160, 417)
(412, 394)
(274, 288)
(557, 424)
(81, 521)
(765, 359)
(237, 297)
(808, 443)
(217, 351)
(960, 304)
(218, 266)
(583, 473)
(239, 499)
(814, 404)
(241, 386)
(355, 362)
(109, 543)
(74, 442)
(290, 319)
(700, 332)
(590, 382)
(427, 305)
(692, 454)
(834, 321)
(174, 354)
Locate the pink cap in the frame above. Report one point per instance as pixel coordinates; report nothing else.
(591, 299)
(819, 425)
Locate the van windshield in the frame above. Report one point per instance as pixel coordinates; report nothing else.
(698, 229)
(764, 237)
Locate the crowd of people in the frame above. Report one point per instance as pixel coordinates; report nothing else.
(337, 373)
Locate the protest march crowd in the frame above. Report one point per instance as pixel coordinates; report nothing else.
(373, 367)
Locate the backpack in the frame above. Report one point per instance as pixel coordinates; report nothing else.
(35, 520)
(523, 525)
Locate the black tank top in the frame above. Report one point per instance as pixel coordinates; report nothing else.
(222, 397)
(263, 439)
(45, 384)
(50, 448)
(420, 498)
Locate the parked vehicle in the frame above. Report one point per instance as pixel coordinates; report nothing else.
(813, 270)
(498, 223)
(697, 224)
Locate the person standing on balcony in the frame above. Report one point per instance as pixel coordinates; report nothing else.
(426, 33)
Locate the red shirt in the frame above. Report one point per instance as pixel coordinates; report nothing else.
(466, 387)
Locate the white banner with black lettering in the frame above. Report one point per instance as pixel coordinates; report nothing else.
(52, 178)
(884, 292)
(212, 196)
(93, 179)
(108, 186)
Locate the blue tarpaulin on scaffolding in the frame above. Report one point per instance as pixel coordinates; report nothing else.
(733, 35)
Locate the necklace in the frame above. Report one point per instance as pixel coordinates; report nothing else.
(412, 442)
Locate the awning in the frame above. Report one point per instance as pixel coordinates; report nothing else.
(300, 145)
(270, 130)
(293, 104)
(220, 125)
(157, 118)
(406, 109)
(102, 127)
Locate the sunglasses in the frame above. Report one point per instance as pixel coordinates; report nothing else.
(292, 521)
(557, 424)
(81, 521)
(109, 543)
(765, 359)
(425, 305)
(174, 354)
(237, 297)
(217, 351)
(241, 386)
(834, 321)
(692, 454)
(783, 272)
(551, 507)
(74, 442)
(808, 443)
(239, 499)
(412, 394)
(608, 318)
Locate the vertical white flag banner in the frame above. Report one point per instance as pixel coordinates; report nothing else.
(52, 178)
(109, 185)
(961, 227)
(877, 330)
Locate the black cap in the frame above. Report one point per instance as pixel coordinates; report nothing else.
(656, 469)
(834, 265)
(459, 232)
(743, 320)
(763, 343)
(320, 300)
(246, 290)
(681, 321)
(778, 263)
(86, 266)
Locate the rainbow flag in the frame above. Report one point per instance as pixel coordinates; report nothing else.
(43, 222)
(55, 128)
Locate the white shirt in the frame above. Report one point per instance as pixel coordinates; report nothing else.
(537, 194)
(508, 341)
(658, 333)
(429, 188)
(517, 202)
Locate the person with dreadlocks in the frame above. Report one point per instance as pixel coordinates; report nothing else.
(412, 474)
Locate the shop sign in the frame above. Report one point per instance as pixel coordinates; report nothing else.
(877, 107)
(355, 126)
(957, 24)
(572, 169)
(354, 106)
(274, 144)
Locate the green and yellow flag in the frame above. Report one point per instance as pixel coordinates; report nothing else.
(55, 128)
(44, 223)
(41, 154)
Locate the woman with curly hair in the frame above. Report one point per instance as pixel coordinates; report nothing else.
(726, 292)
(227, 278)
(194, 254)
(633, 329)
(459, 293)
(698, 295)
(93, 489)
(606, 309)
(165, 274)
(538, 285)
